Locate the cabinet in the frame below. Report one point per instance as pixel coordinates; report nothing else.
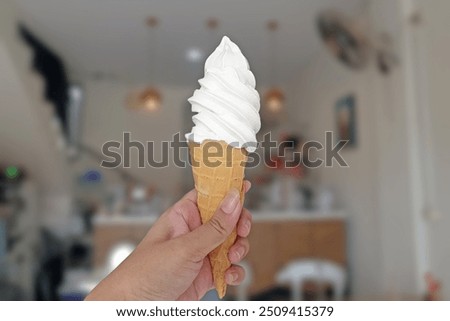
(274, 244)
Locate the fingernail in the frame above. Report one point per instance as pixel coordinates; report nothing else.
(247, 226)
(240, 252)
(231, 201)
(231, 277)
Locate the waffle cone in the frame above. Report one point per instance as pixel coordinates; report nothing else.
(217, 167)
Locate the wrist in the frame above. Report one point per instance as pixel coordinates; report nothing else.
(115, 287)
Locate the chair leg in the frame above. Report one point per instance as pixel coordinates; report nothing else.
(297, 291)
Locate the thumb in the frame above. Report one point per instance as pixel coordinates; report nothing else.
(208, 236)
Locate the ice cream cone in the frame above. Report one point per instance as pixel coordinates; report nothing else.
(226, 122)
(217, 167)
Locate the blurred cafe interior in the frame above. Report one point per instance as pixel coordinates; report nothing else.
(75, 75)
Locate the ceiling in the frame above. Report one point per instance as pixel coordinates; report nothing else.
(109, 38)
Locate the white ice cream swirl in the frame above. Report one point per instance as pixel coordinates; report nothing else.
(227, 104)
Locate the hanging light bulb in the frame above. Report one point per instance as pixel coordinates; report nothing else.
(274, 100)
(149, 98)
(274, 97)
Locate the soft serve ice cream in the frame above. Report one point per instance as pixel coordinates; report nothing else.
(227, 107)
(227, 103)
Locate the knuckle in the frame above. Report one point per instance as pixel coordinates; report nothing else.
(218, 226)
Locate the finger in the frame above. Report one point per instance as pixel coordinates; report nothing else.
(191, 195)
(235, 275)
(201, 284)
(247, 185)
(239, 250)
(208, 236)
(183, 214)
(185, 210)
(245, 223)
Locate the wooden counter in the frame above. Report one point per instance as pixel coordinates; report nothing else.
(276, 239)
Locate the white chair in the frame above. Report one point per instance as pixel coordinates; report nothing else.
(297, 272)
(117, 254)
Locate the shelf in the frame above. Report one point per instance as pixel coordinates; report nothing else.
(258, 216)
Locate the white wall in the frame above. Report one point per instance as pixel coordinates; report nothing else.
(322, 83)
(27, 138)
(105, 118)
(437, 48)
(381, 187)
(401, 201)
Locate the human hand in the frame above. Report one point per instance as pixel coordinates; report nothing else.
(171, 262)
